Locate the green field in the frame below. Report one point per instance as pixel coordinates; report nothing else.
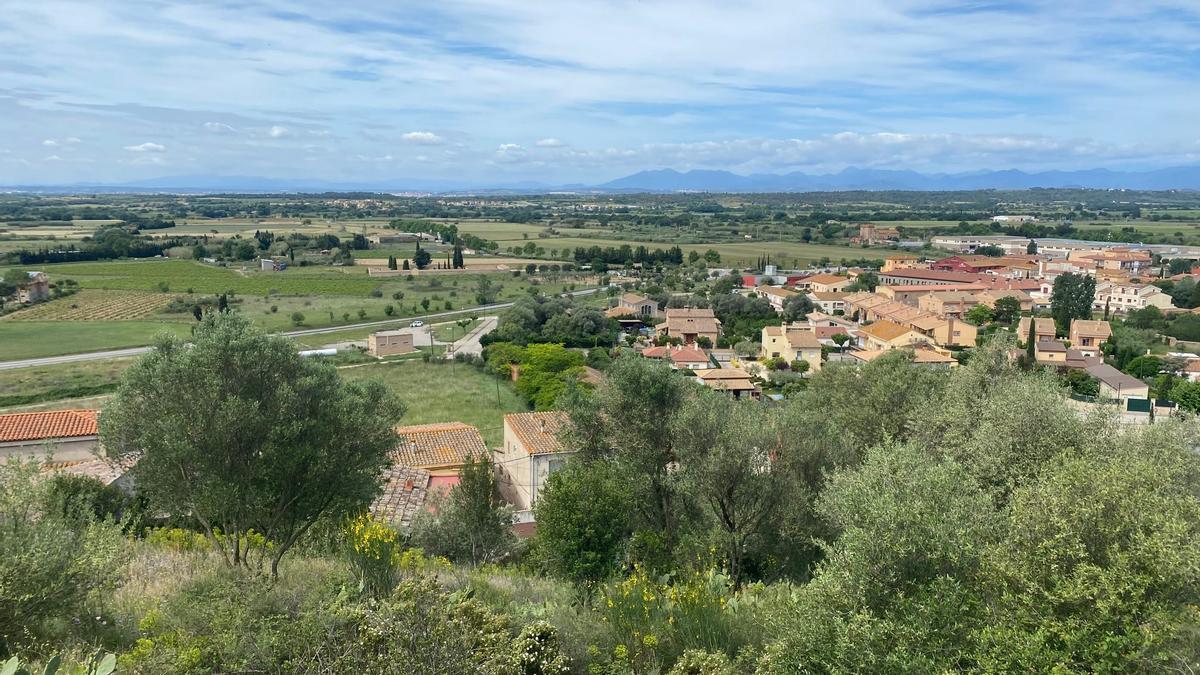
(443, 392)
(735, 253)
(33, 339)
(25, 386)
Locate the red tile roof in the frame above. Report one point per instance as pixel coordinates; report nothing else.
(538, 431)
(37, 426)
(437, 445)
(403, 495)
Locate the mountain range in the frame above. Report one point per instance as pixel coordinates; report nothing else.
(670, 180)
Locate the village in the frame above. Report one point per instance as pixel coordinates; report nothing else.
(934, 310)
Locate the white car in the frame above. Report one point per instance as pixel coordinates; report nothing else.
(416, 324)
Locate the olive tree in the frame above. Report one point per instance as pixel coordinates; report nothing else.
(240, 433)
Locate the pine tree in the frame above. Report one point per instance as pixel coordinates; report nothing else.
(458, 256)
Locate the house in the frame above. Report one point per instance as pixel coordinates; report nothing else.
(920, 355)
(389, 343)
(35, 289)
(949, 332)
(735, 381)
(921, 277)
(687, 357)
(792, 343)
(403, 495)
(1117, 385)
(911, 295)
(829, 302)
(269, 265)
(1043, 328)
(1129, 262)
(884, 335)
(775, 295)
(689, 325)
(638, 305)
(948, 304)
(899, 261)
(869, 233)
(1050, 352)
(824, 283)
(531, 452)
(990, 296)
(1087, 336)
(441, 449)
(971, 265)
(59, 435)
(1128, 296)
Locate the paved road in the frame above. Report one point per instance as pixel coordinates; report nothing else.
(136, 351)
(469, 343)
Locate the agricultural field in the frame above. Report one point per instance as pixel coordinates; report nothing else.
(446, 392)
(95, 305)
(62, 384)
(732, 254)
(34, 339)
(122, 304)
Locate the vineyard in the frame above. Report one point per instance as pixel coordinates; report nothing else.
(95, 305)
(178, 276)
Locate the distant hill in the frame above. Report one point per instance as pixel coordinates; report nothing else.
(670, 180)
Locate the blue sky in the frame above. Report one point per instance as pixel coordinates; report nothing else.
(497, 92)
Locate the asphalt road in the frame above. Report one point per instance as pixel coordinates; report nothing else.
(136, 351)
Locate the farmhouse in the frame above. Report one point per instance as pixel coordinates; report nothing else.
(403, 495)
(690, 325)
(531, 452)
(58, 435)
(36, 289)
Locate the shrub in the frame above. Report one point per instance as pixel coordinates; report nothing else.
(51, 558)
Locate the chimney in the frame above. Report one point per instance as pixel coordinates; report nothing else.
(408, 485)
(542, 424)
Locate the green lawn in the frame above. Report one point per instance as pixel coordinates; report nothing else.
(443, 392)
(33, 339)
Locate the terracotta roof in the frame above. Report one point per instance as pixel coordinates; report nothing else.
(931, 356)
(803, 339)
(1042, 325)
(824, 279)
(934, 275)
(776, 291)
(726, 379)
(885, 330)
(927, 322)
(692, 321)
(827, 332)
(538, 431)
(437, 445)
(634, 299)
(403, 495)
(37, 426)
(1088, 327)
(1050, 346)
(104, 469)
(828, 296)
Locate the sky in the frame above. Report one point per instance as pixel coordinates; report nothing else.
(570, 91)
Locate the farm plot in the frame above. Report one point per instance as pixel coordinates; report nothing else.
(175, 276)
(95, 305)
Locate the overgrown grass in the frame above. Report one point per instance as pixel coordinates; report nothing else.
(447, 392)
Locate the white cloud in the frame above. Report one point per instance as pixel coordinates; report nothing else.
(219, 128)
(277, 131)
(148, 146)
(50, 143)
(549, 143)
(423, 138)
(52, 158)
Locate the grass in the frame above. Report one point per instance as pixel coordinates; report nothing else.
(449, 332)
(34, 339)
(446, 392)
(26, 386)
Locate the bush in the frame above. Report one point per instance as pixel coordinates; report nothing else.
(53, 554)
